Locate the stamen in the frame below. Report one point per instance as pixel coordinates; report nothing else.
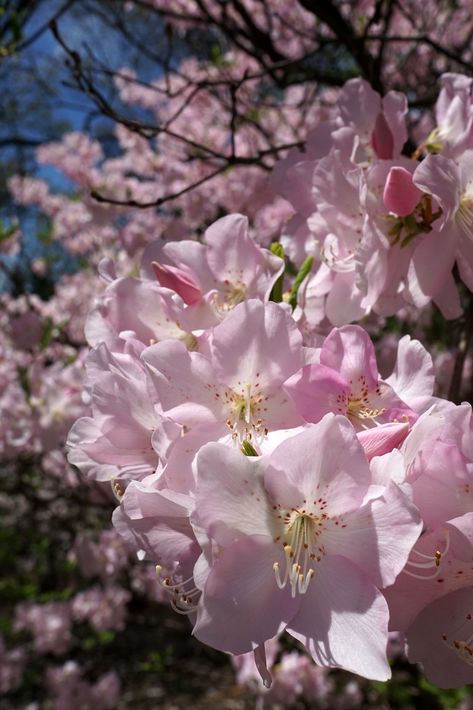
(117, 489)
(233, 294)
(182, 599)
(330, 257)
(244, 409)
(432, 561)
(303, 529)
(248, 405)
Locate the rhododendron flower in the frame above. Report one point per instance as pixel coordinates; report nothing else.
(72, 692)
(454, 116)
(139, 309)
(227, 269)
(304, 544)
(438, 459)
(441, 638)
(450, 239)
(346, 381)
(236, 387)
(49, 623)
(439, 563)
(12, 664)
(116, 442)
(155, 522)
(104, 608)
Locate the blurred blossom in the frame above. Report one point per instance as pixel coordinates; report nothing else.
(71, 692)
(50, 625)
(103, 608)
(12, 664)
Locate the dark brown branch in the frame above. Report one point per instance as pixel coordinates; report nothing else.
(161, 200)
(328, 13)
(465, 339)
(423, 39)
(41, 30)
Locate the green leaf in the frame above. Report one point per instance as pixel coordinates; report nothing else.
(301, 274)
(277, 290)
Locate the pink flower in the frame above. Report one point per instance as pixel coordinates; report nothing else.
(72, 692)
(303, 546)
(229, 268)
(438, 457)
(138, 309)
(454, 115)
(236, 387)
(441, 638)
(116, 441)
(450, 183)
(347, 382)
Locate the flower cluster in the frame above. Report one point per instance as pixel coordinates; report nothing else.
(385, 229)
(277, 481)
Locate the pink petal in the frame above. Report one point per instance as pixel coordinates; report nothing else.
(242, 606)
(191, 257)
(343, 620)
(433, 261)
(317, 390)
(326, 460)
(382, 439)
(440, 176)
(231, 501)
(382, 138)
(349, 350)
(256, 343)
(157, 522)
(413, 376)
(185, 383)
(231, 253)
(378, 537)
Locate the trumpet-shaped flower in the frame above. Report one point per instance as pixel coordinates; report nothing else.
(305, 544)
(236, 388)
(228, 269)
(346, 381)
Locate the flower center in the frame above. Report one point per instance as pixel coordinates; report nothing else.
(302, 549)
(435, 140)
(232, 295)
(359, 408)
(357, 405)
(246, 410)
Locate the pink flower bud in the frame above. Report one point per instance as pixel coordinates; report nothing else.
(178, 281)
(400, 196)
